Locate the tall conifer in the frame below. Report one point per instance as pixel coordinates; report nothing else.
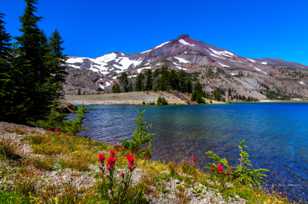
(6, 82)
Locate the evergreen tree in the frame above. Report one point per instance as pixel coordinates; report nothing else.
(149, 80)
(116, 88)
(198, 94)
(56, 51)
(124, 82)
(163, 81)
(6, 83)
(139, 82)
(35, 86)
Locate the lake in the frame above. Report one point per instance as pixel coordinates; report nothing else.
(276, 135)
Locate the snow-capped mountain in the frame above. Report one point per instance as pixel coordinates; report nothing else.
(245, 75)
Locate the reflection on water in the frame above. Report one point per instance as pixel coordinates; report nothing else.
(276, 134)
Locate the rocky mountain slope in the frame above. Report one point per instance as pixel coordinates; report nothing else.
(217, 68)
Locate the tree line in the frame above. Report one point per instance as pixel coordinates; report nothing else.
(32, 70)
(162, 79)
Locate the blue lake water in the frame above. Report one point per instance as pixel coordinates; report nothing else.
(276, 136)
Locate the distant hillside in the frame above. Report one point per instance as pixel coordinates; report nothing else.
(217, 69)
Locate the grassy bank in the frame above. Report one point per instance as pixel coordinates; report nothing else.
(39, 166)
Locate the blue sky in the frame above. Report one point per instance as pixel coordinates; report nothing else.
(251, 28)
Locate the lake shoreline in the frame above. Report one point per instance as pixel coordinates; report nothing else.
(150, 98)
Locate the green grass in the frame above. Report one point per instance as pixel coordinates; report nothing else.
(13, 198)
(66, 151)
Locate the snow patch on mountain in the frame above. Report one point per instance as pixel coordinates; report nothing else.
(251, 60)
(223, 65)
(184, 42)
(73, 60)
(106, 58)
(222, 53)
(259, 70)
(182, 60)
(302, 83)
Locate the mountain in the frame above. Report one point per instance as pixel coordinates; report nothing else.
(217, 68)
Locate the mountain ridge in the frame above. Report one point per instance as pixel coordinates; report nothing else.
(249, 77)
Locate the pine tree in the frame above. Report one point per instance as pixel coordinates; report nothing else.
(36, 63)
(6, 82)
(56, 51)
(116, 88)
(140, 82)
(198, 94)
(32, 54)
(149, 80)
(56, 62)
(124, 82)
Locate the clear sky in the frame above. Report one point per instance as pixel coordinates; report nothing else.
(251, 28)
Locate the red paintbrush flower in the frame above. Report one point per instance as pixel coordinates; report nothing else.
(130, 161)
(101, 157)
(111, 161)
(220, 168)
(112, 153)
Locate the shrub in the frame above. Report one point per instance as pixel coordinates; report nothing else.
(141, 141)
(161, 101)
(56, 121)
(243, 173)
(75, 125)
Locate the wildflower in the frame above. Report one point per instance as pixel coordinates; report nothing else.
(112, 153)
(131, 161)
(111, 163)
(101, 157)
(220, 168)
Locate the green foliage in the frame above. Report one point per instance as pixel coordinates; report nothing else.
(148, 80)
(161, 101)
(141, 141)
(166, 79)
(116, 88)
(243, 173)
(163, 79)
(123, 79)
(56, 119)
(198, 94)
(140, 82)
(31, 73)
(218, 94)
(13, 197)
(276, 95)
(75, 125)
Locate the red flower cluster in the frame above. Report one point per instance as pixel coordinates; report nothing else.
(112, 153)
(220, 168)
(111, 161)
(101, 157)
(130, 161)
